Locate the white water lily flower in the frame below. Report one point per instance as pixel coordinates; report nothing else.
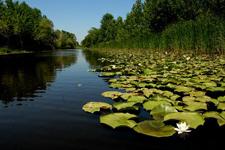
(182, 127)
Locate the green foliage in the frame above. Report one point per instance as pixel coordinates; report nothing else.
(23, 27)
(65, 40)
(186, 25)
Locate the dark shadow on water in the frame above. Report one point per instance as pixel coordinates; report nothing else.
(25, 75)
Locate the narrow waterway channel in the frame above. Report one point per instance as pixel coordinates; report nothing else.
(41, 99)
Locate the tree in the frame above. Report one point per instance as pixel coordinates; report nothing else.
(23, 27)
(44, 33)
(121, 32)
(134, 20)
(93, 38)
(107, 30)
(65, 40)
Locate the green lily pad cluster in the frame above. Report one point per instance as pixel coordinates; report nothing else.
(169, 88)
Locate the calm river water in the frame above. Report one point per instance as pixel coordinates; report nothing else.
(41, 99)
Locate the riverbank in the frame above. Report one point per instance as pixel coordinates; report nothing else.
(170, 52)
(7, 51)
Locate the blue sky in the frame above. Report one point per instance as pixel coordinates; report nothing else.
(78, 16)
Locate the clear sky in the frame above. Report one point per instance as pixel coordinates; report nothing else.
(78, 16)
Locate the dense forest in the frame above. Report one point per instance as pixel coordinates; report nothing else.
(26, 28)
(196, 25)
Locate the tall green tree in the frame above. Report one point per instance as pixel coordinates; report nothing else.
(44, 33)
(93, 38)
(65, 40)
(107, 30)
(134, 21)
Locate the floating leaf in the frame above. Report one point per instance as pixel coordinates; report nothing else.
(107, 74)
(172, 86)
(93, 107)
(193, 119)
(161, 110)
(147, 92)
(112, 94)
(139, 99)
(221, 98)
(159, 98)
(197, 93)
(115, 120)
(150, 105)
(130, 89)
(193, 106)
(183, 89)
(175, 97)
(222, 114)
(188, 99)
(126, 96)
(155, 129)
(167, 94)
(216, 89)
(125, 105)
(221, 106)
(204, 99)
(210, 84)
(142, 85)
(112, 80)
(148, 72)
(215, 115)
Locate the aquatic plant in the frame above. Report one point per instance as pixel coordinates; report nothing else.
(173, 89)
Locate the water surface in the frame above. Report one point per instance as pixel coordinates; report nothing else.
(41, 96)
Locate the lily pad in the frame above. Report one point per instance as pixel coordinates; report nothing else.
(197, 93)
(221, 98)
(107, 74)
(120, 85)
(130, 89)
(154, 129)
(148, 72)
(183, 89)
(193, 106)
(112, 94)
(215, 115)
(139, 99)
(210, 84)
(167, 94)
(216, 89)
(221, 106)
(147, 92)
(193, 119)
(125, 105)
(175, 97)
(204, 99)
(126, 96)
(161, 110)
(150, 105)
(115, 120)
(222, 114)
(188, 99)
(93, 107)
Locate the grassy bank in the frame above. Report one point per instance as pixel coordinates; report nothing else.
(204, 35)
(7, 51)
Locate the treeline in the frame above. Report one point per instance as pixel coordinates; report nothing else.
(197, 25)
(23, 27)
